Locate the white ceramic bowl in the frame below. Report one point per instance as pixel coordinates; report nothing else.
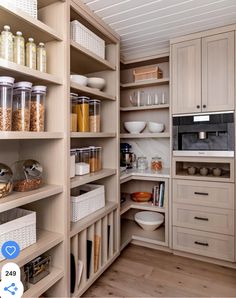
(82, 80)
(135, 126)
(97, 83)
(156, 127)
(149, 220)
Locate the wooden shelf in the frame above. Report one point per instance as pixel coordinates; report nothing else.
(148, 83)
(85, 61)
(148, 175)
(91, 91)
(144, 135)
(90, 219)
(131, 231)
(44, 284)
(27, 135)
(129, 204)
(30, 27)
(43, 3)
(81, 180)
(45, 241)
(20, 72)
(17, 199)
(144, 108)
(76, 135)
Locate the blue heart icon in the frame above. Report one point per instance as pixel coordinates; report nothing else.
(10, 250)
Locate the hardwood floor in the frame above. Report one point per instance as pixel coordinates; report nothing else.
(143, 272)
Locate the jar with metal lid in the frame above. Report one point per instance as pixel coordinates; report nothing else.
(41, 57)
(19, 48)
(82, 109)
(95, 115)
(156, 164)
(142, 163)
(38, 108)
(31, 54)
(6, 49)
(6, 96)
(82, 161)
(73, 114)
(6, 180)
(21, 106)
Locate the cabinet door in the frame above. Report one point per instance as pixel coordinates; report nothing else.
(186, 77)
(218, 72)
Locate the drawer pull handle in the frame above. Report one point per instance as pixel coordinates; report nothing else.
(201, 218)
(201, 243)
(201, 193)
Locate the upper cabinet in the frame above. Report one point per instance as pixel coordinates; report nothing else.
(203, 74)
(186, 76)
(218, 72)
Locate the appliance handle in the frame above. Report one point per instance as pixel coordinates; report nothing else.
(201, 193)
(201, 243)
(201, 218)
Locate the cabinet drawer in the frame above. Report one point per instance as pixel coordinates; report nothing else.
(200, 193)
(204, 243)
(204, 218)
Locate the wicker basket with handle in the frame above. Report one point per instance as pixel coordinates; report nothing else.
(147, 73)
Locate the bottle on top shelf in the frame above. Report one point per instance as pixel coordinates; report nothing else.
(41, 57)
(19, 48)
(6, 49)
(31, 54)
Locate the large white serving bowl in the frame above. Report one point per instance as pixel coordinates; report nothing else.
(82, 80)
(97, 83)
(135, 126)
(149, 220)
(156, 127)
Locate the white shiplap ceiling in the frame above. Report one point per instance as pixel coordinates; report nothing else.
(146, 26)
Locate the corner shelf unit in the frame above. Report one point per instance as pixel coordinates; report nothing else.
(147, 83)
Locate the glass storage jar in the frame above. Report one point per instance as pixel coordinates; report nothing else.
(142, 163)
(82, 161)
(156, 164)
(19, 48)
(93, 160)
(99, 158)
(6, 95)
(73, 114)
(31, 54)
(21, 106)
(6, 50)
(6, 180)
(38, 108)
(41, 57)
(27, 175)
(95, 115)
(82, 109)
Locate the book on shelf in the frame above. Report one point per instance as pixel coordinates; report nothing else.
(159, 194)
(97, 243)
(89, 256)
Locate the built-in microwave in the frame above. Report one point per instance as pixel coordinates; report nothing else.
(206, 134)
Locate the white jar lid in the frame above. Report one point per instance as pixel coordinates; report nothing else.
(7, 27)
(19, 33)
(39, 89)
(26, 85)
(31, 39)
(7, 80)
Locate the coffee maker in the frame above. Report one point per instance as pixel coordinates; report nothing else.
(127, 157)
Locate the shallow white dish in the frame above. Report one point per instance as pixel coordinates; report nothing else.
(97, 83)
(156, 127)
(135, 126)
(149, 220)
(82, 80)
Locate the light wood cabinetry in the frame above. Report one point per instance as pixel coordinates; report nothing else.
(186, 76)
(218, 72)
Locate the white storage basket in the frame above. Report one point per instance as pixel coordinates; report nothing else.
(27, 6)
(87, 39)
(18, 225)
(83, 204)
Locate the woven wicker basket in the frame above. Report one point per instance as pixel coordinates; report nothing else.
(147, 73)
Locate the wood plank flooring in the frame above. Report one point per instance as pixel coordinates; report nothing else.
(144, 272)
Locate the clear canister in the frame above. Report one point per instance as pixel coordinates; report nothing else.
(73, 114)
(95, 159)
(31, 54)
(19, 48)
(38, 108)
(99, 158)
(72, 162)
(6, 51)
(95, 115)
(41, 57)
(6, 95)
(21, 106)
(156, 163)
(82, 155)
(82, 109)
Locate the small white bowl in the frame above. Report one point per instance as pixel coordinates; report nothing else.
(148, 220)
(156, 127)
(82, 80)
(135, 126)
(97, 83)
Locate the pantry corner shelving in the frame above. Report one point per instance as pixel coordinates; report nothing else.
(20, 135)
(144, 108)
(145, 83)
(144, 135)
(75, 135)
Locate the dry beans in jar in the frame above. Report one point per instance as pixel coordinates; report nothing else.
(21, 106)
(38, 108)
(94, 115)
(82, 109)
(6, 96)
(73, 114)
